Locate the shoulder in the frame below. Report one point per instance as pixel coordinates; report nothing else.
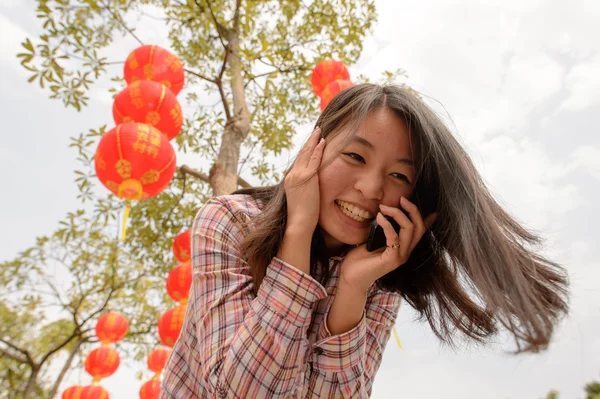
(234, 205)
(226, 214)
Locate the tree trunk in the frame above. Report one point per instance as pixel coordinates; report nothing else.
(223, 174)
(29, 389)
(64, 369)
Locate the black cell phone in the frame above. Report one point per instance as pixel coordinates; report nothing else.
(377, 235)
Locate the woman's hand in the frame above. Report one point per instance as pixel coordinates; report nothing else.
(302, 187)
(361, 268)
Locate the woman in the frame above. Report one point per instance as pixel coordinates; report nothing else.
(287, 302)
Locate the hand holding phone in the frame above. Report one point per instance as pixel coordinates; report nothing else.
(377, 237)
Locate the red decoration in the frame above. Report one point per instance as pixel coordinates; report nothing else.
(151, 103)
(158, 359)
(135, 161)
(151, 62)
(169, 325)
(150, 389)
(326, 72)
(111, 327)
(102, 362)
(182, 246)
(94, 392)
(332, 90)
(73, 392)
(179, 282)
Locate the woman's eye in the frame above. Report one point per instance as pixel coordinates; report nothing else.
(355, 156)
(400, 176)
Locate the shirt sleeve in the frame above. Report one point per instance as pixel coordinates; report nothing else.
(345, 365)
(234, 344)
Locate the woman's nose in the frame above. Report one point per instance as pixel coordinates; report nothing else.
(370, 185)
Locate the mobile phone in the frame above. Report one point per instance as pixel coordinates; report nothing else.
(377, 235)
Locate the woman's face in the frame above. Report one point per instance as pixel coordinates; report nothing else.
(377, 167)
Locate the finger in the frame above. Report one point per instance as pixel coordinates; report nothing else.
(417, 220)
(391, 237)
(316, 157)
(306, 152)
(406, 229)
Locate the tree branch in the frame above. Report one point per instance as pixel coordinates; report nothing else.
(64, 369)
(12, 356)
(120, 21)
(221, 30)
(29, 358)
(186, 169)
(200, 76)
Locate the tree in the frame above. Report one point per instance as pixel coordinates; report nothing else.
(592, 390)
(254, 59)
(56, 290)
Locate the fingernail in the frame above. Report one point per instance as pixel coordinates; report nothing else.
(322, 140)
(383, 206)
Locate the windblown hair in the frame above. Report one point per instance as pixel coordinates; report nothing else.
(474, 271)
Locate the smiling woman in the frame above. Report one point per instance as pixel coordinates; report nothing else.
(287, 302)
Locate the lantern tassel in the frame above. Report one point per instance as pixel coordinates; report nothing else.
(397, 339)
(125, 217)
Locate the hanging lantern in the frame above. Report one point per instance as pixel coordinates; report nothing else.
(94, 392)
(182, 246)
(73, 392)
(179, 282)
(333, 89)
(151, 103)
(102, 362)
(111, 327)
(326, 72)
(169, 325)
(150, 389)
(135, 162)
(158, 359)
(150, 62)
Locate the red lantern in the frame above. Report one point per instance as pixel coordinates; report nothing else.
(102, 362)
(326, 72)
(135, 161)
(150, 389)
(151, 103)
(179, 282)
(333, 89)
(158, 359)
(169, 325)
(73, 392)
(111, 327)
(150, 62)
(182, 246)
(94, 392)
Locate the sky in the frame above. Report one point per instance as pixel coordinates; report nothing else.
(517, 81)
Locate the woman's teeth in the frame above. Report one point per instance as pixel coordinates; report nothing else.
(353, 212)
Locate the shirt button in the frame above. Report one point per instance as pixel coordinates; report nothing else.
(318, 351)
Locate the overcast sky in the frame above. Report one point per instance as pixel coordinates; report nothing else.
(520, 82)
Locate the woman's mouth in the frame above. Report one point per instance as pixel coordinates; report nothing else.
(353, 212)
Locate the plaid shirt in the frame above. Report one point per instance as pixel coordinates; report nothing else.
(276, 344)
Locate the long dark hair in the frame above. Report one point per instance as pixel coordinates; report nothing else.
(474, 270)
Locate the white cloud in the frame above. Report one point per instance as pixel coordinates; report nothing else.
(583, 84)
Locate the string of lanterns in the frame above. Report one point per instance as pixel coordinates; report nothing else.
(101, 362)
(178, 284)
(135, 160)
